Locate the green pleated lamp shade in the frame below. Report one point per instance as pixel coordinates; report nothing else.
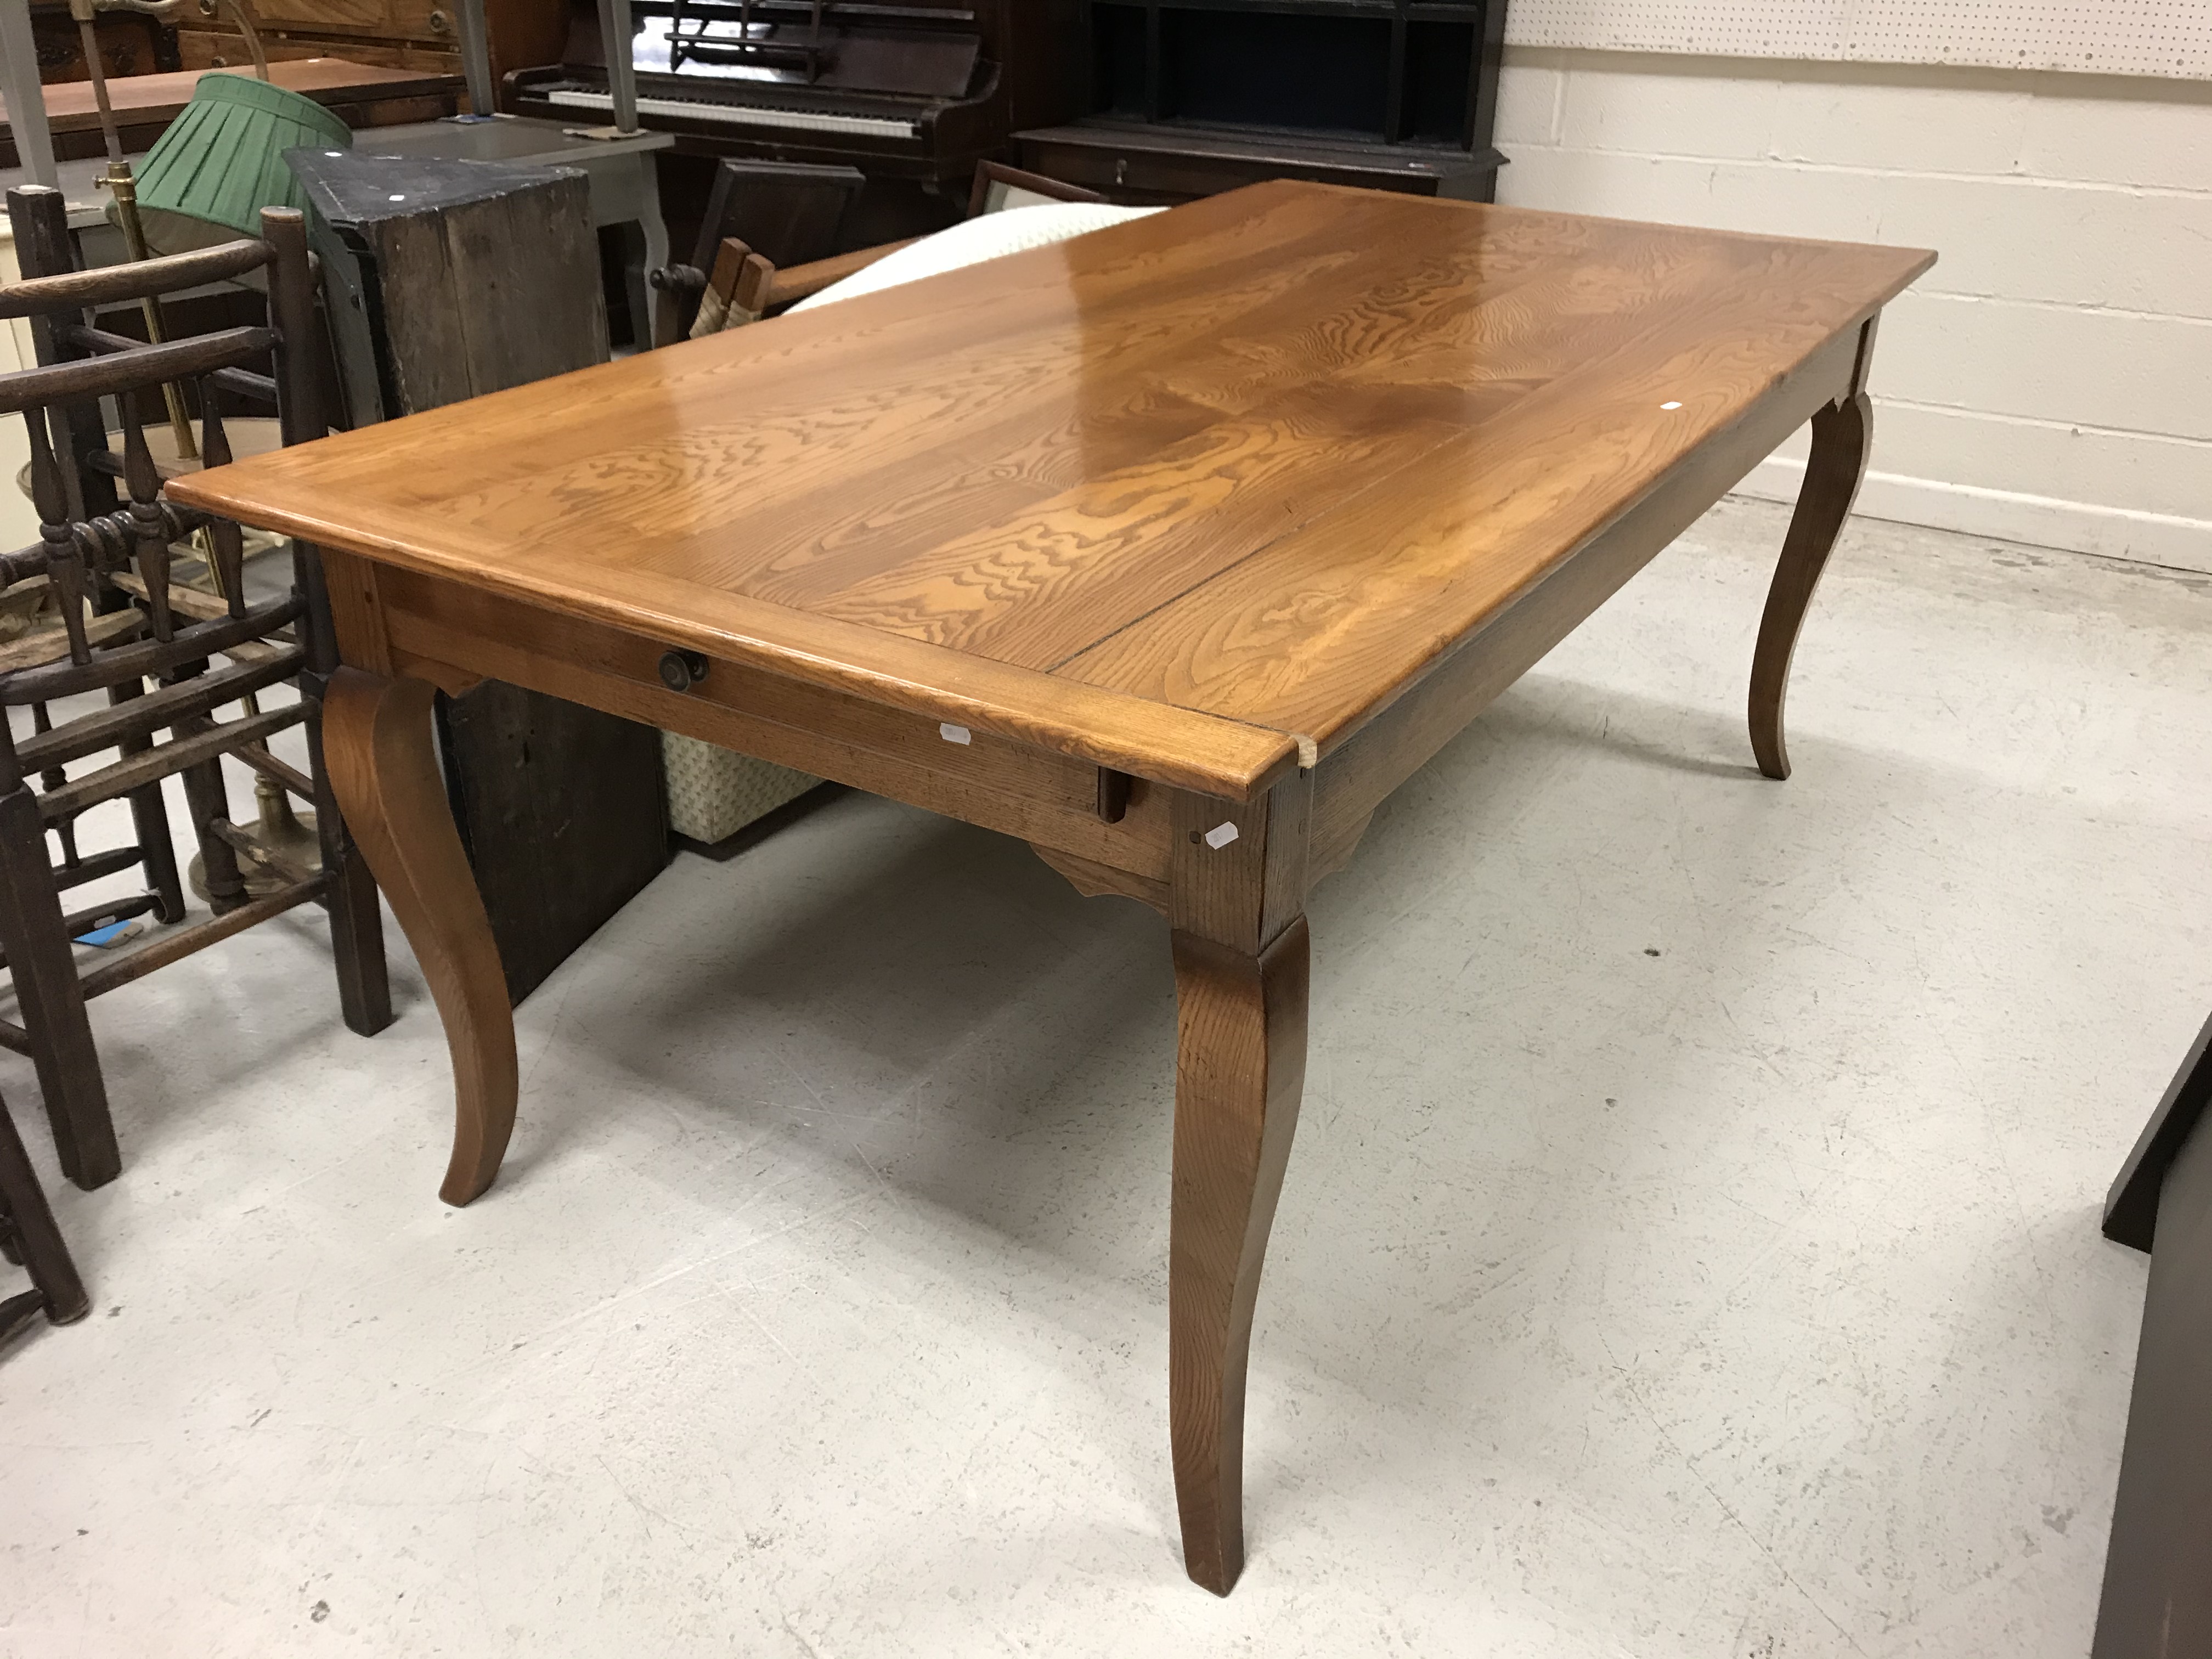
(221, 162)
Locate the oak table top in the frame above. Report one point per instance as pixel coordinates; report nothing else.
(1188, 497)
(1172, 550)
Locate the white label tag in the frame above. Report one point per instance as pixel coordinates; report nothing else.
(953, 733)
(1221, 835)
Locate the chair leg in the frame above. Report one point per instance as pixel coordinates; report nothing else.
(44, 971)
(150, 821)
(28, 1224)
(1842, 434)
(42, 721)
(356, 918)
(210, 802)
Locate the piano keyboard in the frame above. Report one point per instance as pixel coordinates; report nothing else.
(742, 115)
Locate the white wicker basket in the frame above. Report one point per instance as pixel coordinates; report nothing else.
(713, 792)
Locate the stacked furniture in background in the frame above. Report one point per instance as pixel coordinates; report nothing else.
(1189, 98)
(364, 95)
(911, 92)
(625, 190)
(789, 212)
(128, 42)
(108, 563)
(406, 34)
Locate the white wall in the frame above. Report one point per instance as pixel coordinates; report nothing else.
(2051, 380)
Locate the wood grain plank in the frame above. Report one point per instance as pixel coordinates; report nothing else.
(1266, 459)
(1145, 739)
(1358, 774)
(1006, 322)
(1038, 588)
(1320, 631)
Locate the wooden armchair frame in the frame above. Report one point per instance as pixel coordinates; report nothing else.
(125, 624)
(744, 286)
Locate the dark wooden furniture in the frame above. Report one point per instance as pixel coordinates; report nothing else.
(362, 95)
(448, 280)
(204, 656)
(1172, 550)
(999, 186)
(129, 43)
(29, 1238)
(745, 282)
(911, 90)
(421, 35)
(2158, 1591)
(625, 189)
(1191, 97)
(789, 212)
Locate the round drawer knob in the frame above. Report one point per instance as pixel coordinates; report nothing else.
(682, 669)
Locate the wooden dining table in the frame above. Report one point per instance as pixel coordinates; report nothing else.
(1172, 550)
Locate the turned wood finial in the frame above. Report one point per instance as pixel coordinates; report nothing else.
(64, 567)
(149, 528)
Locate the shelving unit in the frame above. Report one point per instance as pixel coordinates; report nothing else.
(1192, 96)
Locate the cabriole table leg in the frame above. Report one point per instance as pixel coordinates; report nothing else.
(376, 744)
(1841, 432)
(1241, 961)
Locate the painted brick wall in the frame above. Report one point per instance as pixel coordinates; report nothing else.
(2051, 380)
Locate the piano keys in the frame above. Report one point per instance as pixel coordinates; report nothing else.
(899, 88)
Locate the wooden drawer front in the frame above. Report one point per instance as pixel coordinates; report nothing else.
(213, 49)
(1035, 793)
(386, 20)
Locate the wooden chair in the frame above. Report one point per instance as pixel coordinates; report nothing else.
(125, 623)
(746, 285)
(792, 212)
(998, 187)
(29, 1238)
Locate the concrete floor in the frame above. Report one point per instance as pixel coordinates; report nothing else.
(1689, 1247)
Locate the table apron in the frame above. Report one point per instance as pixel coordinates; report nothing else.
(1356, 777)
(452, 634)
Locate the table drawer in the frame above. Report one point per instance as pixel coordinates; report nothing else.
(1038, 794)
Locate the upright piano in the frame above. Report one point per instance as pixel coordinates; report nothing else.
(904, 89)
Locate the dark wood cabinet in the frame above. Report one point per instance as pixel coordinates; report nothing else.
(447, 280)
(416, 35)
(1189, 97)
